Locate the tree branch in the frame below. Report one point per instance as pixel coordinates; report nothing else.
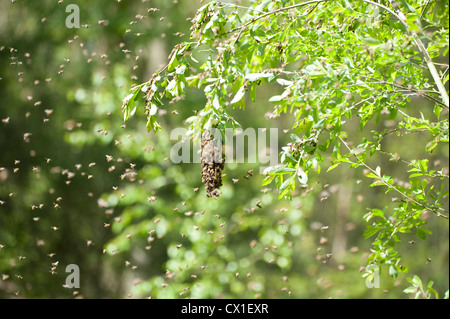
(424, 9)
(433, 209)
(423, 50)
(398, 14)
(416, 91)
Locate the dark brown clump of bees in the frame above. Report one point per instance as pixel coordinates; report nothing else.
(213, 161)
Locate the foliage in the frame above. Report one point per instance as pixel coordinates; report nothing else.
(333, 61)
(418, 290)
(78, 185)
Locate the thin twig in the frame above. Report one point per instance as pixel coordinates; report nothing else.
(424, 9)
(413, 90)
(398, 14)
(254, 19)
(423, 50)
(444, 74)
(225, 4)
(435, 210)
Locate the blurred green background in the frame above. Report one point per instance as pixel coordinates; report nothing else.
(80, 186)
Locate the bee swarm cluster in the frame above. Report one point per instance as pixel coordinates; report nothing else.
(213, 161)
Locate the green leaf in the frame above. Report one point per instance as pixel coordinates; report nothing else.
(239, 95)
(372, 175)
(253, 92)
(393, 271)
(282, 170)
(276, 98)
(180, 69)
(422, 233)
(412, 21)
(268, 180)
(153, 109)
(377, 183)
(431, 146)
(378, 171)
(370, 231)
(377, 213)
(295, 138)
(216, 102)
(129, 102)
(153, 125)
(431, 290)
(173, 63)
(416, 281)
(409, 290)
(437, 110)
(302, 176)
(333, 166)
(256, 76)
(285, 185)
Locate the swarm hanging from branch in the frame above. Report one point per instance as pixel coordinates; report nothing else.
(213, 161)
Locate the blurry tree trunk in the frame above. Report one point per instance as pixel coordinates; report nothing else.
(343, 206)
(156, 56)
